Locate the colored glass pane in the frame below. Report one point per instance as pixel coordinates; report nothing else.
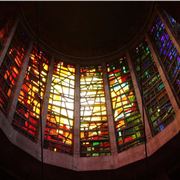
(60, 118)
(127, 119)
(10, 68)
(94, 136)
(173, 23)
(168, 55)
(156, 101)
(27, 115)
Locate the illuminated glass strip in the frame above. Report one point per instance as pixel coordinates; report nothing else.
(127, 119)
(94, 136)
(10, 68)
(60, 118)
(5, 27)
(158, 107)
(27, 115)
(168, 55)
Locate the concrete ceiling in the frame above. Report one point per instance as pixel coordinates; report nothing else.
(86, 29)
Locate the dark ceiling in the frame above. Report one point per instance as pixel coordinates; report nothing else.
(86, 29)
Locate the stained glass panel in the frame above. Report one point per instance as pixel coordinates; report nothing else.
(27, 115)
(172, 22)
(168, 55)
(94, 136)
(156, 101)
(127, 119)
(11, 66)
(60, 118)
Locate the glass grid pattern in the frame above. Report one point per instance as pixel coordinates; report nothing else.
(11, 67)
(60, 118)
(94, 135)
(127, 119)
(168, 55)
(93, 127)
(27, 115)
(156, 101)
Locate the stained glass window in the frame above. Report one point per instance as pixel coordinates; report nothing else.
(158, 107)
(11, 66)
(173, 23)
(27, 115)
(127, 119)
(168, 55)
(60, 118)
(94, 137)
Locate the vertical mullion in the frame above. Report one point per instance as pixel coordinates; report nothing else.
(76, 135)
(12, 107)
(112, 135)
(46, 99)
